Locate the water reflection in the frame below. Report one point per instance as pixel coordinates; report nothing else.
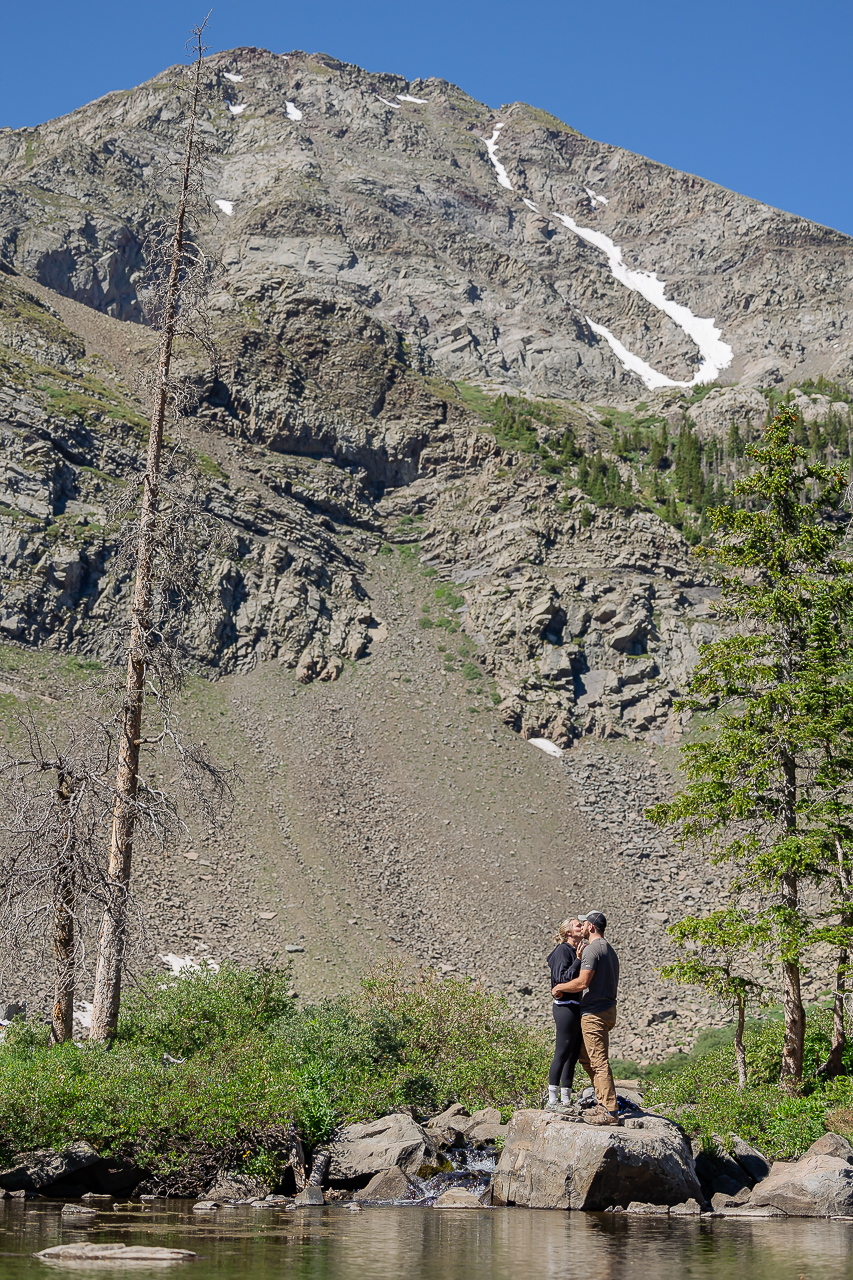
(424, 1243)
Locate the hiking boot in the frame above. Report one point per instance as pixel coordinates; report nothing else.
(600, 1115)
(559, 1108)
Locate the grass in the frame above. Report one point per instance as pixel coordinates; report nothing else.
(254, 1062)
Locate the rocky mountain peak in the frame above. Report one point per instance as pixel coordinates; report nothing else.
(508, 249)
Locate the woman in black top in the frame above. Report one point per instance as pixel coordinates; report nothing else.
(564, 964)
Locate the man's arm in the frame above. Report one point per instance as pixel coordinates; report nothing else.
(577, 984)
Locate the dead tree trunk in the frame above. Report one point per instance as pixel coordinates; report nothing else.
(64, 965)
(111, 940)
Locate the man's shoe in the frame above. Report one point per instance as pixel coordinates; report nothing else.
(600, 1115)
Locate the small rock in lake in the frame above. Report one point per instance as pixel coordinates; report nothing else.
(115, 1253)
(310, 1196)
(458, 1198)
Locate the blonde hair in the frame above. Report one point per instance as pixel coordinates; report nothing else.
(564, 928)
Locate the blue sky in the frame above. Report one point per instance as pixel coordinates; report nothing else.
(752, 94)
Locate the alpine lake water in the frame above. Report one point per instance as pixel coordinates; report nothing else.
(419, 1242)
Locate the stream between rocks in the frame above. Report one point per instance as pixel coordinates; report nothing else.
(336, 1242)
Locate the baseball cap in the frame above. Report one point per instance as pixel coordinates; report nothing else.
(596, 918)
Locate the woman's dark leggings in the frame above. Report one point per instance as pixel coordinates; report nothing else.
(567, 1018)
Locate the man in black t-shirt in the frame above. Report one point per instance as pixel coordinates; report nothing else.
(598, 980)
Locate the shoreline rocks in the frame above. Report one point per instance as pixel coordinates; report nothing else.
(818, 1185)
(551, 1163)
(362, 1150)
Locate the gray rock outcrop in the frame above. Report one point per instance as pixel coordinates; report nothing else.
(231, 1184)
(547, 1163)
(400, 206)
(36, 1170)
(362, 1150)
(818, 1185)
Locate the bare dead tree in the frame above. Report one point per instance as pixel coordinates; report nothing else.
(165, 563)
(56, 797)
(72, 800)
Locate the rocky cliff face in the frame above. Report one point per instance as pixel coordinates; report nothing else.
(587, 620)
(504, 245)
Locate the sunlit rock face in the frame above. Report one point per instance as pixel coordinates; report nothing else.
(505, 247)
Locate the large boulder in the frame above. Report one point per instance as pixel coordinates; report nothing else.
(35, 1170)
(751, 1159)
(831, 1144)
(454, 1127)
(233, 1184)
(448, 1127)
(817, 1185)
(718, 1172)
(551, 1163)
(362, 1150)
(388, 1187)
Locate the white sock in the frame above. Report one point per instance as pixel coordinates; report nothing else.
(553, 1092)
(565, 1095)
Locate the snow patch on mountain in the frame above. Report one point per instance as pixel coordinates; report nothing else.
(237, 108)
(227, 206)
(715, 355)
(293, 112)
(407, 97)
(395, 106)
(492, 148)
(233, 77)
(652, 379)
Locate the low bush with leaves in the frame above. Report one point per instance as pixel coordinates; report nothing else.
(254, 1063)
(705, 1099)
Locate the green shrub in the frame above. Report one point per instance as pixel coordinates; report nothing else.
(449, 598)
(704, 1097)
(204, 1008)
(255, 1063)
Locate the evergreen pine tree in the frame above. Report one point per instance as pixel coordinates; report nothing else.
(769, 782)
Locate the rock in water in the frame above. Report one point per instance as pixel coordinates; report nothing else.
(689, 1209)
(34, 1170)
(78, 1211)
(119, 1254)
(458, 1198)
(386, 1187)
(815, 1186)
(362, 1150)
(547, 1163)
(230, 1184)
(310, 1195)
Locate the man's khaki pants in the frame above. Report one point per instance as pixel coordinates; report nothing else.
(594, 1054)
